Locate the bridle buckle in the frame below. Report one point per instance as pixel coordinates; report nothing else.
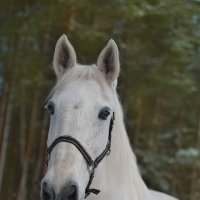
(108, 153)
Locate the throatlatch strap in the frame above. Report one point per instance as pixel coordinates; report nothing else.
(88, 159)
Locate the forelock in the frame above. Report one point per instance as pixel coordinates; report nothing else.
(79, 72)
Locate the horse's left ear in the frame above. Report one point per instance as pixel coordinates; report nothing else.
(108, 62)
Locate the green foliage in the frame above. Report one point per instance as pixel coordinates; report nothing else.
(159, 83)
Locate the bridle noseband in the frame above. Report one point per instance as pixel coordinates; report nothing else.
(92, 164)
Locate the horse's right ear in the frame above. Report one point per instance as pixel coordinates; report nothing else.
(64, 56)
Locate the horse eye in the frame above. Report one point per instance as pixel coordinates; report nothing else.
(104, 113)
(50, 108)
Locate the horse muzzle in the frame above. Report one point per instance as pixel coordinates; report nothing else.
(68, 192)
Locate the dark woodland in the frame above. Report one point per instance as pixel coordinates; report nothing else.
(159, 86)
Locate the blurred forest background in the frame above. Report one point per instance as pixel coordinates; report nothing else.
(159, 42)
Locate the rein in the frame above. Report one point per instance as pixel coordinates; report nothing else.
(92, 164)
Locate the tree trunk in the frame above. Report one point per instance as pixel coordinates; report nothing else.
(8, 117)
(41, 157)
(4, 101)
(138, 122)
(44, 128)
(22, 126)
(22, 193)
(155, 125)
(195, 185)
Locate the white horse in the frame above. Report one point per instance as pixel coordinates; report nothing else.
(81, 108)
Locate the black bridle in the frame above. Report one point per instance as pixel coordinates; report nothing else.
(92, 164)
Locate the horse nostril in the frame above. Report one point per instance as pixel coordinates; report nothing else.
(48, 192)
(70, 192)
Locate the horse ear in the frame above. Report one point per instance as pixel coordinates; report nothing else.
(64, 56)
(108, 62)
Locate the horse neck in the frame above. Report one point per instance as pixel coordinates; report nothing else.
(119, 177)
